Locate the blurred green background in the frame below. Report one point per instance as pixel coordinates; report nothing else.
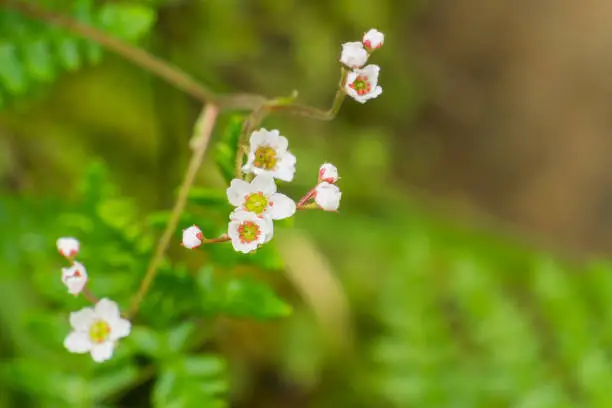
(465, 266)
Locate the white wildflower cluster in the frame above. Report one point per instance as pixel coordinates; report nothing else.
(362, 80)
(257, 202)
(253, 194)
(94, 330)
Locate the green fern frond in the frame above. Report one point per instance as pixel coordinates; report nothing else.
(33, 52)
(470, 323)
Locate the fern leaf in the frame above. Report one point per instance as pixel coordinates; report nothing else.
(34, 53)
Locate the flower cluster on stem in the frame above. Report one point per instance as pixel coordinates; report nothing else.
(362, 80)
(94, 330)
(253, 192)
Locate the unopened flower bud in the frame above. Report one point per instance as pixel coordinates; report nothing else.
(192, 237)
(328, 172)
(74, 278)
(327, 196)
(68, 247)
(353, 55)
(373, 39)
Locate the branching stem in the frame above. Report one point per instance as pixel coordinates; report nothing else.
(258, 105)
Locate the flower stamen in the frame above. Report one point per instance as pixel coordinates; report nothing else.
(248, 232)
(361, 85)
(265, 158)
(256, 203)
(99, 331)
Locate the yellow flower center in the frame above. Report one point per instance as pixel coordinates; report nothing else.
(99, 331)
(265, 158)
(248, 232)
(256, 203)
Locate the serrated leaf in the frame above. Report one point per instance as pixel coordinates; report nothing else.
(146, 341)
(106, 385)
(250, 298)
(178, 337)
(68, 52)
(200, 366)
(164, 386)
(239, 297)
(119, 213)
(12, 75)
(24, 374)
(129, 21)
(38, 60)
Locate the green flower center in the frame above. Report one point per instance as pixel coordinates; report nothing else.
(256, 203)
(361, 85)
(99, 331)
(248, 232)
(265, 158)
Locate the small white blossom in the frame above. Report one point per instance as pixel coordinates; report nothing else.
(192, 237)
(327, 196)
(269, 155)
(362, 84)
(353, 55)
(373, 39)
(74, 278)
(68, 247)
(328, 172)
(95, 330)
(260, 197)
(247, 231)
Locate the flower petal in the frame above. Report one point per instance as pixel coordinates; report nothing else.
(102, 352)
(280, 206)
(285, 170)
(267, 230)
(264, 183)
(236, 192)
(280, 144)
(78, 342)
(257, 138)
(120, 328)
(107, 309)
(328, 196)
(248, 167)
(81, 320)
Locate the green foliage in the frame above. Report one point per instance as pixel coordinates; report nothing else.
(33, 52)
(239, 297)
(116, 247)
(465, 327)
(227, 147)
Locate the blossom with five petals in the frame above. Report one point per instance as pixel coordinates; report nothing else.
(96, 330)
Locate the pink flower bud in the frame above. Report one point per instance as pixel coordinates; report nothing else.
(328, 172)
(192, 237)
(68, 247)
(373, 39)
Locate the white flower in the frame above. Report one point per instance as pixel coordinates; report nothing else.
(328, 172)
(260, 197)
(192, 237)
(373, 39)
(362, 84)
(353, 55)
(68, 247)
(269, 155)
(95, 330)
(74, 278)
(247, 231)
(327, 196)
